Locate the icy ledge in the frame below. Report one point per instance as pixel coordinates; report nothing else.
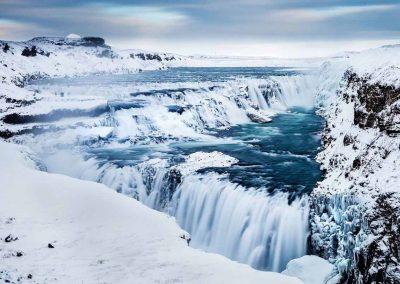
(202, 160)
(98, 235)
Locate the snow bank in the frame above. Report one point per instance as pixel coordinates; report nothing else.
(312, 269)
(98, 236)
(73, 37)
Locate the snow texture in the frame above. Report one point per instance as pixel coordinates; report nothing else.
(202, 160)
(312, 269)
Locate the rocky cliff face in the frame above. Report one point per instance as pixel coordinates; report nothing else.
(355, 210)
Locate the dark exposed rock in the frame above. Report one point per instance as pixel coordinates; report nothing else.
(60, 41)
(29, 52)
(375, 104)
(356, 163)
(139, 55)
(50, 245)
(153, 57)
(347, 140)
(6, 47)
(93, 41)
(10, 238)
(175, 108)
(149, 56)
(257, 118)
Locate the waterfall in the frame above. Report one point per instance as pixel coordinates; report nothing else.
(299, 90)
(244, 225)
(256, 96)
(153, 200)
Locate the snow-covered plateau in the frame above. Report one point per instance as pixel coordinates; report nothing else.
(224, 158)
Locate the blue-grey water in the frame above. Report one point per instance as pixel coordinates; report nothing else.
(279, 155)
(173, 75)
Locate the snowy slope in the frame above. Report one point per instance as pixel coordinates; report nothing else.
(99, 236)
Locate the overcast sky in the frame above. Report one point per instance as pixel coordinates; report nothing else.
(286, 28)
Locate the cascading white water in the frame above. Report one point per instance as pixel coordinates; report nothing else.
(256, 96)
(297, 90)
(153, 199)
(241, 224)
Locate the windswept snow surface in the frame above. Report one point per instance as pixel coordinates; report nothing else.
(312, 269)
(99, 236)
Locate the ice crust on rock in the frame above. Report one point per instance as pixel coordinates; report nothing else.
(355, 209)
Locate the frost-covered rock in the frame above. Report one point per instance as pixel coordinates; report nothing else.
(355, 209)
